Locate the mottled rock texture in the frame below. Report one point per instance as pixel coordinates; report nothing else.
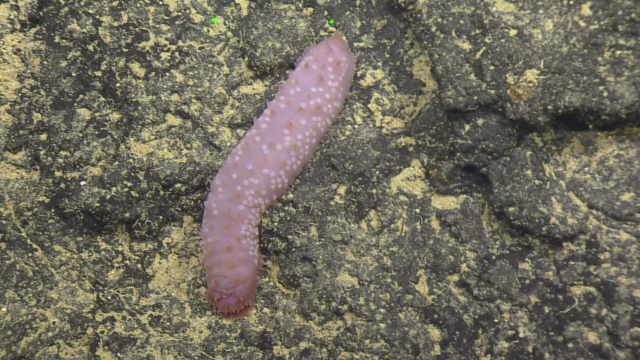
(476, 198)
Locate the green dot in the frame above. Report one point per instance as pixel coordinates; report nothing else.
(332, 21)
(214, 20)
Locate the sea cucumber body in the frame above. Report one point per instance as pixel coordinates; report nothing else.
(263, 165)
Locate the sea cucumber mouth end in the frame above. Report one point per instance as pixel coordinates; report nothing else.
(236, 314)
(232, 304)
(234, 309)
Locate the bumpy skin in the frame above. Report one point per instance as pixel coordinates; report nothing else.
(263, 165)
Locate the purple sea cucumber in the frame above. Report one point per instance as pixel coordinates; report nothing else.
(263, 165)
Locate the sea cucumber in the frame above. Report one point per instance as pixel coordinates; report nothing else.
(263, 165)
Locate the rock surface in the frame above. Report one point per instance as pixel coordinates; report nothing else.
(477, 197)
